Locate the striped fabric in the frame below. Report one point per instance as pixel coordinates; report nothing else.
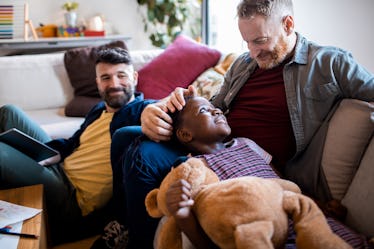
(240, 160)
(356, 240)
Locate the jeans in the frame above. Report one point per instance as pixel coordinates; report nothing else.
(144, 167)
(121, 140)
(18, 170)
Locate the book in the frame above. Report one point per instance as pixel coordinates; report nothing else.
(27, 144)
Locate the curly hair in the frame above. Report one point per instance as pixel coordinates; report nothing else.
(113, 56)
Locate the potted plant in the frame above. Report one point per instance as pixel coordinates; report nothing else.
(70, 6)
(165, 19)
(71, 14)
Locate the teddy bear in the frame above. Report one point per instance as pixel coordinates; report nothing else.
(245, 212)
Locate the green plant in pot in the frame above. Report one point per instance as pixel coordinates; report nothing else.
(70, 15)
(164, 19)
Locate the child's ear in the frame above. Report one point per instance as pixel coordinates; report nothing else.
(184, 135)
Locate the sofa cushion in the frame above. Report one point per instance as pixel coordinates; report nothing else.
(359, 199)
(55, 123)
(209, 82)
(140, 58)
(349, 132)
(80, 66)
(179, 65)
(32, 82)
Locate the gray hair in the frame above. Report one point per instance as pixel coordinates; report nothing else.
(266, 8)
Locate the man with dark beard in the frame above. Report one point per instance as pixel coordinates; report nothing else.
(78, 181)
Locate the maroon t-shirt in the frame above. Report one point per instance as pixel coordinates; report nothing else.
(260, 112)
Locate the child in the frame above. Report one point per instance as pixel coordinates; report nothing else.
(203, 129)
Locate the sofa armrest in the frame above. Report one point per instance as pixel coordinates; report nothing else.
(349, 133)
(347, 162)
(359, 199)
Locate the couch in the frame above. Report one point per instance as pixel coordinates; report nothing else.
(40, 85)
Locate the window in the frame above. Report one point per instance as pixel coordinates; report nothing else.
(220, 29)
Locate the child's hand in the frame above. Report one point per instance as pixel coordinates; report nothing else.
(178, 199)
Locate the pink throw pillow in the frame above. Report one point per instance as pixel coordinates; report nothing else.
(179, 65)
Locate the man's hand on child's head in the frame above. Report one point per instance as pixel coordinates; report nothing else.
(155, 120)
(176, 99)
(156, 123)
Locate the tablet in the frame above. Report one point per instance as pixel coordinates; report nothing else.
(27, 145)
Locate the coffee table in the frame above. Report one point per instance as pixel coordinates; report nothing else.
(30, 196)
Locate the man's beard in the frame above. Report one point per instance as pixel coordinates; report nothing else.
(278, 55)
(118, 101)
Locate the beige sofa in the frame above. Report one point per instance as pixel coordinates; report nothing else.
(39, 84)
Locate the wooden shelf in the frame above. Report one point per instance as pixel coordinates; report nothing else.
(47, 45)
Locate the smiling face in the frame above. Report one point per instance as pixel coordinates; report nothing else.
(116, 84)
(269, 40)
(200, 122)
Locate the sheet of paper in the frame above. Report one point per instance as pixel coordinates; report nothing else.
(11, 241)
(11, 213)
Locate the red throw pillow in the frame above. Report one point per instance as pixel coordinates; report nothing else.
(80, 66)
(179, 65)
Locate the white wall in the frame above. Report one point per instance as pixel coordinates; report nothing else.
(344, 23)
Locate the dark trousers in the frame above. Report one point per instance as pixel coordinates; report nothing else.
(144, 167)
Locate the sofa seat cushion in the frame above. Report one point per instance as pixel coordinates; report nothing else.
(55, 123)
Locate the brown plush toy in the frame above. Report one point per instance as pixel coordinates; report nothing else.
(246, 212)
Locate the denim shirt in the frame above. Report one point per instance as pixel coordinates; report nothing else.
(315, 79)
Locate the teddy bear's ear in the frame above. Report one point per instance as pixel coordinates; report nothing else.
(151, 204)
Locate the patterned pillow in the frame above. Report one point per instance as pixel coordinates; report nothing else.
(209, 82)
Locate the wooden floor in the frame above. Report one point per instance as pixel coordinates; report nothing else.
(81, 244)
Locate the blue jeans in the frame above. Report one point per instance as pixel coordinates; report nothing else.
(65, 221)
(121, 140)
(145, 166)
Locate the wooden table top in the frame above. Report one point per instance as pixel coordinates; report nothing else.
(30, 196)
